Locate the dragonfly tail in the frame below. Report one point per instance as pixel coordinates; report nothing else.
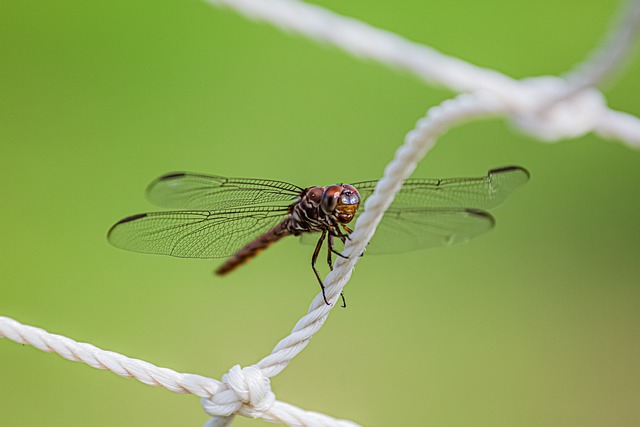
(253, 249)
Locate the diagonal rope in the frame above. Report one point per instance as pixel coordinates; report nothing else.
(417, 142)
(550, 108)
(610, 55)
(367, 42)
(529, 102)
(246, 391)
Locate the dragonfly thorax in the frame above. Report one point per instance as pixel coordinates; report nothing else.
(322, 208)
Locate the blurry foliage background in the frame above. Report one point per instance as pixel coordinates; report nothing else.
(534, 324)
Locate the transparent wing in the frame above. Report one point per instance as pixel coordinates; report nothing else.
(438, 212)
(194, 234)
(421, 228)
(196, 191)
(484, 192)
(411, 229)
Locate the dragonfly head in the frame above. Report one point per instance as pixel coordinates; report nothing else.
(341, 201)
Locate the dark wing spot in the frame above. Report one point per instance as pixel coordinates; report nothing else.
(172, 176)
(131, 218)
(510, 169)
(481, 213)
(122, 221)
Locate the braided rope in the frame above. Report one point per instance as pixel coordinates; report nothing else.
(549, 108)
(531, 98)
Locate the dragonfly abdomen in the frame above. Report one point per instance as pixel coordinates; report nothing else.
(254, 248)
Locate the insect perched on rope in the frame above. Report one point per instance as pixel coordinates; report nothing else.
(239, 217)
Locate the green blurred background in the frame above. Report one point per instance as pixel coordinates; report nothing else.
(534, 324)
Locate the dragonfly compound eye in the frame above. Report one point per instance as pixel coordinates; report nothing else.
(348, 204)
(349, 196)
(330, 198)
(349, 199)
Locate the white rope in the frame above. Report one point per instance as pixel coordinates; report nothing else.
(417, 142)
(550, 108)
(247, 391)
(529, 107)
(102, 359)
(610, 55)
(364, 41)
(242, 391)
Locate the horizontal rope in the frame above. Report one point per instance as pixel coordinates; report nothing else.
(230, 390)
(98, 358)
(549, 108)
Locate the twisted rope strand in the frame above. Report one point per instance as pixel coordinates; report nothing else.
(528, 106)
(233, 395)
(417, 142)
(549, 108)
(98, 358)
(367, 42)
(285, 413)
(608, 57)
(147, 373)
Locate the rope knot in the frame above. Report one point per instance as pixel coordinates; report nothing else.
(248, 393)
(550, 117)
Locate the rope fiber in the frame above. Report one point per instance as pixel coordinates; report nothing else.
(548, 108)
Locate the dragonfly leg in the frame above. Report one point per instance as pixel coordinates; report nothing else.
(346, 236)
(344, 301)
(331, 248)
(330, 262)
(341, 235)
(314, 258)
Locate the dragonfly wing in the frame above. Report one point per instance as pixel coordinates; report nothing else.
(411, 229)
(197, 191)
(194, 234)
(405, 230)
(482, 193)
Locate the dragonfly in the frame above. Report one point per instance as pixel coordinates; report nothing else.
(239, 217)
